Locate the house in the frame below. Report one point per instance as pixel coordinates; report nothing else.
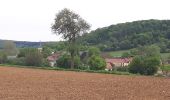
(112, 63)
(53, 58)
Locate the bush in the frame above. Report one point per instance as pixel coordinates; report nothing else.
(65, 61)
(45, 63)
(94, 51)
(16, 61)
(96, 63)
(34, 58)
(3, 58)
(144, 65)
(24, 51)
(83, 67)
(151, 65)
(122, 69)
(136, 65)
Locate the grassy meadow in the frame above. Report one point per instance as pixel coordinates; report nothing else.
(119, 54)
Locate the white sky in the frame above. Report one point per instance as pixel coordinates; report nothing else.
(30, 20)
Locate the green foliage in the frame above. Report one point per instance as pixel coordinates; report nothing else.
(3, 57)
(136, 65)
(83, 67)
(118, 53)
(46, 51)
(24, 51)
(146, 62)
(130, 35)
(56, 46)
(144, 66)
(45, 62)
(126, 54)
(122, 69)
(16, 61)
(65, 60)
(93, 51)
(151, 65)
(33, 58)
(96, 63)
(165, 67)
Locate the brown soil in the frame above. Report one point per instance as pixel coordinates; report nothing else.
(36, 84)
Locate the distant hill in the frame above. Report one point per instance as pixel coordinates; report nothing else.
(130, 35)
(22, 44)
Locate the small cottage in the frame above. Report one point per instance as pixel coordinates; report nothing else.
(112, 63)
(53, 58)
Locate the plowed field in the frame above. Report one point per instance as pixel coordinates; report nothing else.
(37, 84)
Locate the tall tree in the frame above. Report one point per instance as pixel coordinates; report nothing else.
(70, 25)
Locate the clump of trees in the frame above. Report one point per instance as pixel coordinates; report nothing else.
(33, 58)
(147, 60)
(65, 61)
(91, 60)
(29, 57)
(96, 63)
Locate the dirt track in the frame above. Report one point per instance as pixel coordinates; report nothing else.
(35, 84)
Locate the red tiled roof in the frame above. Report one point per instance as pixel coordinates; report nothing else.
(53, 57)
(118, 60)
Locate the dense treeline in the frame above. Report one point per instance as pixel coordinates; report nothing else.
(131, 35)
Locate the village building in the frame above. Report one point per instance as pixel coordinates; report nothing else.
(52, 59)
(113, 63)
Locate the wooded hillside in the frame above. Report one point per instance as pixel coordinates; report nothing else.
(130, 35)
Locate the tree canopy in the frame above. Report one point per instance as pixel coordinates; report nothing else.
(130, 35)
(70, 25)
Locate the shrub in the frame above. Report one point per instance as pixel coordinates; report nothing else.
(45, 63)
(83, 67)
(144, 65)
(16, 61)
(96, 63)
(122, 69)
(34, 58)
(151, 65)
(136, 65)
(46, 51)
(24, 51)
(65, 61)
(94, 51)
(3, 58)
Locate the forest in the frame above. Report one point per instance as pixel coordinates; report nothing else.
(130, 35)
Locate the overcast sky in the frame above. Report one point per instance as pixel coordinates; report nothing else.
(30, 20)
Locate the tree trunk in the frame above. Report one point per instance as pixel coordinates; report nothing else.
(72, 51)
